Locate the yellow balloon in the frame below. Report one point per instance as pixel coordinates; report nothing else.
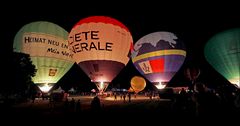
(138, 83)
(130, 89)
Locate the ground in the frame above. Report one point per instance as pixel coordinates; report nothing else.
(140, 109)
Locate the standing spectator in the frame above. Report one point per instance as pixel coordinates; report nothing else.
(78, 106)
(72, 104)
(124, 97)
(95, 104)
(129, 97)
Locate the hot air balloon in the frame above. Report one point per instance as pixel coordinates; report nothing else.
(47, 45)
(222, 51)
(101, 47)
(130, 89)
(158, 56)
(192, 73)
(137, 84)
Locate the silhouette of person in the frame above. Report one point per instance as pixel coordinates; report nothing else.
(72, 104)
(124, 97)
(33, 98)
(129, 97)
(95, 104)
(78, 106)
(66, 103)
(207, 102)
(115, 96)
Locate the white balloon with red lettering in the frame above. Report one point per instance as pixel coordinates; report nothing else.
(101, 47)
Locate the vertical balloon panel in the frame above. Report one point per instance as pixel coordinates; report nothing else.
(47, 45)
(158, 56)
(101, 46)
(222, 51)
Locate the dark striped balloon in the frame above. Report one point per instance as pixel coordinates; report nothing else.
(158, 56)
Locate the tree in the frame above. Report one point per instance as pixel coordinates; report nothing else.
(21, 77)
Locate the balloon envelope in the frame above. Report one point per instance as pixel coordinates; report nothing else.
(222, 51)
(130, 89)
(101, 47)
(138, 83)
(192, 73)
(158, 56)
(47, 45)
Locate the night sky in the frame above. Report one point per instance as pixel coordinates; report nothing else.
(194, 27)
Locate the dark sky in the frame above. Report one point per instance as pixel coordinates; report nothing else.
(193, 27)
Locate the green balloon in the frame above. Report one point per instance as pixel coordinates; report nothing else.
(47, 45)
(222, 51)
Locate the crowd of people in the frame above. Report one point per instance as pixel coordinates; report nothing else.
(199, 101)
(206, 102)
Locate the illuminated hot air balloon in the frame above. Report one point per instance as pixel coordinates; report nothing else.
(192, 73)
(222, 51)
(101, 47)
(158, 56)
(138, 84)
(47, 45)
(130, 89)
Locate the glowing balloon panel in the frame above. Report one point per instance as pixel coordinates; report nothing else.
(222, 51)
(47, 45)
(101, 47)
(138, 83)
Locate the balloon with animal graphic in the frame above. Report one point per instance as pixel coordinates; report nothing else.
(158, 56)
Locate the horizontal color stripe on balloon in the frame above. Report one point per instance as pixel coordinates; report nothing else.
(160, 53)
(168, 58)
(102, 19)
(168, 63)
